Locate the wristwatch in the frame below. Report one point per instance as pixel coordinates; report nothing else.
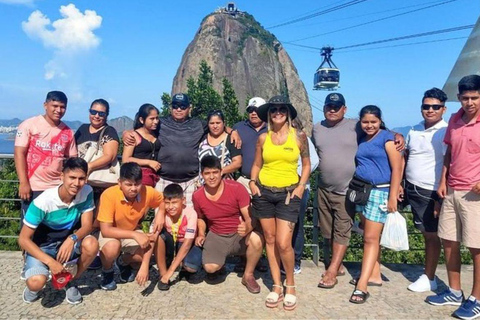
(74, 237)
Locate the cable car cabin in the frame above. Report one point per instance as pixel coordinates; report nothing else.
(326, 79)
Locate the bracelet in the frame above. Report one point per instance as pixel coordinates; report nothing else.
(302, 184)
(252, 180)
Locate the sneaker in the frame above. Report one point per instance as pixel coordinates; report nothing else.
(126, 274)
(108, 281)
(423, 284)
(22, 275)
(163, 286)
(470, 309)
(447, 297)
(72, 295)
(297, 270)
(30, 296)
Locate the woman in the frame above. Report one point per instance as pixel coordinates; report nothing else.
(277, 192)
(218, 144)
(379, 164)
(145, 150)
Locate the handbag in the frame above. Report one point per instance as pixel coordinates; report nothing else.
(359, 191)
(106, 176)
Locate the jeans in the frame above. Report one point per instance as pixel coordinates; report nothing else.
(298, 238)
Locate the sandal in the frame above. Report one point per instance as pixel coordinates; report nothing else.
(273, 298)
(359, 294)
(354, 282)
(290, 301)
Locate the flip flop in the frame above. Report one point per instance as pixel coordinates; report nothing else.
(360, 294)
(353, 282)
(327, 286)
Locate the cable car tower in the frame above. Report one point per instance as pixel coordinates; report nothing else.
(327, 75)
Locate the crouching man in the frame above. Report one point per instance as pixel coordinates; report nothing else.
(56, 230)
(223, 206)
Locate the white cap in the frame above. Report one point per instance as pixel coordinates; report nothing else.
(256, 102)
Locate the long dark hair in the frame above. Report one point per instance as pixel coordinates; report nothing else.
(372, 109)
(143, 113)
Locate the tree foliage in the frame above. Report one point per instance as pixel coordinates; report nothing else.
(166, 100)
(8, 208)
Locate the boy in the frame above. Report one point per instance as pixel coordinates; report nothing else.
(120, 213)
(56, 230)
(174, 245)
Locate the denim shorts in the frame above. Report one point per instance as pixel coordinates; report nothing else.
(272, 205)
(34, 267)
(192, 260)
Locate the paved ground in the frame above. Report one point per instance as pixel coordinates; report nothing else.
(227, 300)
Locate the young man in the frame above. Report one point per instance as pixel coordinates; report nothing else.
(120, 213)
(175, 244)
(56, 230)
(224, 206)
(460, 190)
(424, 158)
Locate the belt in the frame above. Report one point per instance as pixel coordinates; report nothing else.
(276, 189)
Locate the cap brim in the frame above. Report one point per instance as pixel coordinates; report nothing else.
(262, 111)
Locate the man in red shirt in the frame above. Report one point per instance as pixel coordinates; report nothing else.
(224, 206)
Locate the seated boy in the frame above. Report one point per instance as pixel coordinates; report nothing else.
(56, 229)
(120, 213)
(174, 246)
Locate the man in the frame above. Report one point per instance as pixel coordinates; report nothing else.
(460, 190)
(249, 131)
(121, 210)
(56, 230)
(424, 161)
(224, 206)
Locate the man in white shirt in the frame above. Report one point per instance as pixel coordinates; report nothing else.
(424, 160)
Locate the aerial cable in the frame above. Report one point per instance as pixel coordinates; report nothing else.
(314, 10)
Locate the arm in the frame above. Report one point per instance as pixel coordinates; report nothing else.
(442, 186)
(201, 231)
(159, 220)
(66, 249)
(305, 155)
(110, 150)
(181, 254)
(20, 158)
(395, 160)
(399, 141)
(257, 165)
(142, 274)
(109, 231)
(234, 137)
(245, 225)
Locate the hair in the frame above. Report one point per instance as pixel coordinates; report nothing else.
(75, 163)
(297, 124)
(269, 118)
(371, 109)
(130, 171)
(435, 93)
(103, 103)
(56, 96)
(173, 191)
(143, 113)
(469, 83)
(216, 113)
(210, 162)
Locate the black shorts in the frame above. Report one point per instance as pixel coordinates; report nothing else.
(422, 202)
(272, 205)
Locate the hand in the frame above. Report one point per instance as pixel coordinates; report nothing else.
(158, 222)
(442, 190)
(89, 170)
(55, 267)
(25, 191)
(235, 139)
(476, 188)
(436, 209)
(392, 204)
(254, 188)
(142, 239)
(400, 193)
(242, 228)
(65, 251)
(142, 275)
(399, 142)
(199, 240)
(153, 237)
(155, 165)
(166, 277)
(298, 191)
(128, 138)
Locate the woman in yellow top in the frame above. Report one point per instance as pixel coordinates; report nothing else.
(277, 191)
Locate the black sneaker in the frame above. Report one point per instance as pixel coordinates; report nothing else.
(108, 281)
(163, 286)
(126, 274)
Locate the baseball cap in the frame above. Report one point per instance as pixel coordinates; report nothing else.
(256, 102)
(181, 99)
(335, 99)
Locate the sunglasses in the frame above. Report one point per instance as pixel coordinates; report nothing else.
(282, 110)
(251, 109)
(332, 107)
(100, 113)
(436, 107)
(179, 106)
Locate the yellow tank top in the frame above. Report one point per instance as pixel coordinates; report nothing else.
(280, 162)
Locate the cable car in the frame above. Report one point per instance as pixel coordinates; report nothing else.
(327, 76)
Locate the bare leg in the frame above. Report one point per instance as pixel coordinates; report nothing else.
(273, 256)
(254, 252)
(89, 252)
(453, 263)
(433, 248)
(283, 240)
(476, 272)
(110, 252)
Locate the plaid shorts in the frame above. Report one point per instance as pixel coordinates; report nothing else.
(188, 187)
(371, 210)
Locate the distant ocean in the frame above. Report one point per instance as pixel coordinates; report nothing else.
(6, 143)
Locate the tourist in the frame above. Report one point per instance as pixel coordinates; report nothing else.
(56, 229)
(277, 191)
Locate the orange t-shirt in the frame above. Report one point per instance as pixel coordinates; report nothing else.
(126, 215)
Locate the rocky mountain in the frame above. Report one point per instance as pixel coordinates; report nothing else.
(252, 59)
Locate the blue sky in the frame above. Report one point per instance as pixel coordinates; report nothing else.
(128, 51)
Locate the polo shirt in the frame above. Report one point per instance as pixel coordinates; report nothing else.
(425, 154)
(464, 140)
(54, 220)
(249, 136)
(116, 209)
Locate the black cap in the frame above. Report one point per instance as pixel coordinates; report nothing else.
(181, 99)
(262, 111)
(336, 99)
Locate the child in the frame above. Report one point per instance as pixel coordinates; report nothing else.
(174, 246)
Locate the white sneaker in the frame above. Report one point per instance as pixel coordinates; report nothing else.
(423, 284)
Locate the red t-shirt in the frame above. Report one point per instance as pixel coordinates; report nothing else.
(222, 215)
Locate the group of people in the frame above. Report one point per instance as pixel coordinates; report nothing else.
(185, 169)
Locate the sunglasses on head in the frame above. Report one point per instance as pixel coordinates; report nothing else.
(436, 107)
(100, 113)
(179, 106)
(282, 110)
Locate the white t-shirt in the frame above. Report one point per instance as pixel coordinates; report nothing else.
(425, 154)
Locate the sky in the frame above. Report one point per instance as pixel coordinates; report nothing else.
(128, 52)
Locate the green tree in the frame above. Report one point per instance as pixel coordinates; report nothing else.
(166, 100)
(230, 104)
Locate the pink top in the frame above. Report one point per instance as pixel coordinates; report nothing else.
(222, 215)
(464, 140)
(47, 147)
(187, 226)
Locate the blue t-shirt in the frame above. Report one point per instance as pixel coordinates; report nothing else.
(249, 136)
(372, 159)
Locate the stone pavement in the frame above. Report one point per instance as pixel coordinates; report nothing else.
(226, 300)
